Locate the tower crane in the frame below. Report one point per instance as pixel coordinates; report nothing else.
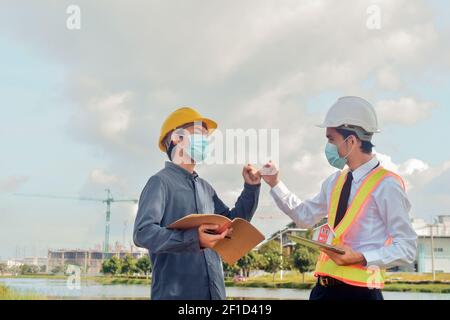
(108, 201)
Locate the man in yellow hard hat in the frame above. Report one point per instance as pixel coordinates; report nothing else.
(366, 205)
(184, 265)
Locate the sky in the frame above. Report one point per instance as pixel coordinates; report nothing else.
(82, 109)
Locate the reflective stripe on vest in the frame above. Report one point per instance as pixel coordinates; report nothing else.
(357, 275)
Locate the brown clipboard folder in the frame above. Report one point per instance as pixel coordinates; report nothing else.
(315, 244)
(243, 238)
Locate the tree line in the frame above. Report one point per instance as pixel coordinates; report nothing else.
(268, 258)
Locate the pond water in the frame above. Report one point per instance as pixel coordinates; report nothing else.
(59, 289)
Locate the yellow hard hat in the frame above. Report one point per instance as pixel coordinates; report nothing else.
(181, 117)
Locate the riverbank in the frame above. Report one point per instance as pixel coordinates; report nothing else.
(433, 287)
(395, 282)
(10, 294)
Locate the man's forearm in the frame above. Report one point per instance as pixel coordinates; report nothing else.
(246, 204)
(158, 239)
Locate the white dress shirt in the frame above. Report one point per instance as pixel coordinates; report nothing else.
(386, 215)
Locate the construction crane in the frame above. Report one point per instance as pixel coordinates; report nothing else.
(109, 200)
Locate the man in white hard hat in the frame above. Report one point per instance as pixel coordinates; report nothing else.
(366, 206)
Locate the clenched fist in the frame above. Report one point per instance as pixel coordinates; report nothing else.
(251, 175)
(269, 174)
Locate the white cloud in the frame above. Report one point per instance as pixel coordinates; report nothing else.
(427, 186)
(405, 111)
(251, 64)
(12, 183)
(408, 168)
(98, 176)
(412, 166)
(388, 79)
(112, 114)
(132, 211)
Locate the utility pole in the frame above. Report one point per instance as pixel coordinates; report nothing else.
(432, 252)
(85, 261)
(281, 250)
(125, 224)
(108, 220)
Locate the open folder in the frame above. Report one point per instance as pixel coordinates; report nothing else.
(243, 238)
(315, 244)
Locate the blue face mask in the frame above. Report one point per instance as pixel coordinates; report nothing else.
(198, 147)
(333, 157)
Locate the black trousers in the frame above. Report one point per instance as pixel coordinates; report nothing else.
(344, 292)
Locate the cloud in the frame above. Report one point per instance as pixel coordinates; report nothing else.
(406, 111)
(105, 116)
(412, 166)
(98, 176)
(12, 183)
(113, 116)
(388, 79)
(427, 186)
(252, 64)
(407, 168)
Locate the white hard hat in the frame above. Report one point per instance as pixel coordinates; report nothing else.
(350, 112)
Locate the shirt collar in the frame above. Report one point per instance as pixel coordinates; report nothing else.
(364, 169)
(180, 170)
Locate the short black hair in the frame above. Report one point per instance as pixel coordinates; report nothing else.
(366, 146)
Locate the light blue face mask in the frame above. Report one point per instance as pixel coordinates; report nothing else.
(333, 157)
(198, 147)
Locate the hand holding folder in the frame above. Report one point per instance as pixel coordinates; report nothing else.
(315, 244)
(243, 239)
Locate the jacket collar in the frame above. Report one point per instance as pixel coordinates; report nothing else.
(363, 170)
(181, 171)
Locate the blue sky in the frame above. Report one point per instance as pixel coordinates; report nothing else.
(63, 95)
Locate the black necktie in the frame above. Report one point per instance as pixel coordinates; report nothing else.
(343, 199)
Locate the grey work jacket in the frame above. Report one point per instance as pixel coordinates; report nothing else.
(181, 269)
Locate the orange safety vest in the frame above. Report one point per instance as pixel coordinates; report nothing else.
(357, 275)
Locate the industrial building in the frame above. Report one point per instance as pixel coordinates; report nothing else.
(433, 245)
(433, 249)
(35, 261)
(90, 261)
(286, 243)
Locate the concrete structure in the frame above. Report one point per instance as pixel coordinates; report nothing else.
(35, 261)
(14, 263)
(287, 244)
(90, 261)
(436, 236)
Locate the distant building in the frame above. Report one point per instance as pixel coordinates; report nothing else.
(440, 233)
(290, 229)
(90, 261)
(14, 263)
(35, 261)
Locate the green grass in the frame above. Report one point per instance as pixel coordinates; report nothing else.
(410, 277)
(405, 282)
(9, 294)
(106, 280)
(418, 287)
